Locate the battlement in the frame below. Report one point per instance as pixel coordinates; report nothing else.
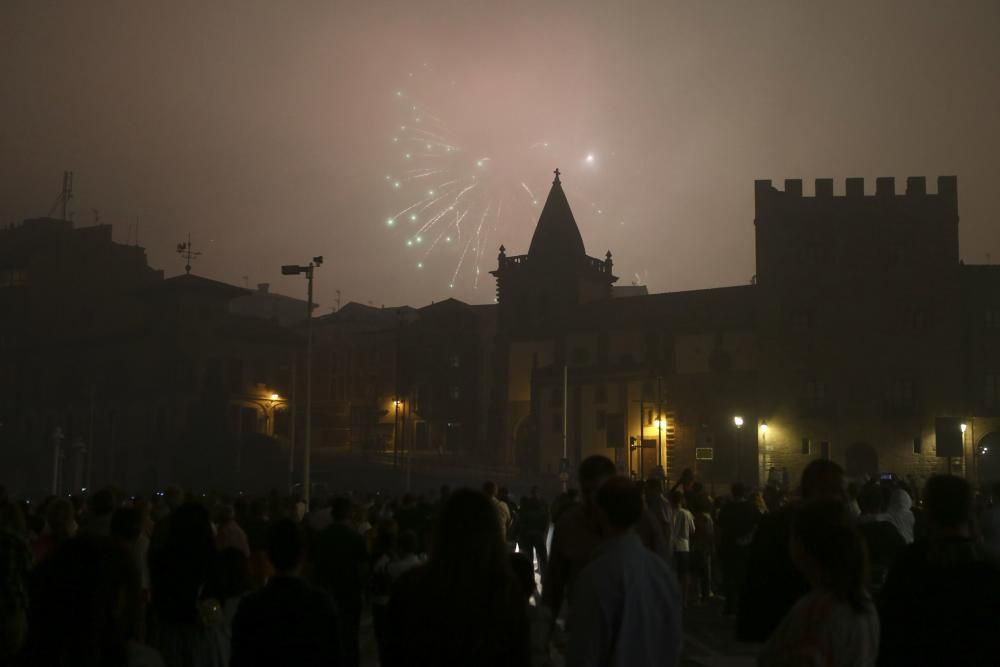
(768, 197)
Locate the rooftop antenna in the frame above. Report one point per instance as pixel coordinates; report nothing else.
(64, 196)
(186, 250)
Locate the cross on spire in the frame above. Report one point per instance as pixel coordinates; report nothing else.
(556, 172)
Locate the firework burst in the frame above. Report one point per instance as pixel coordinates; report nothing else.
(454, 194)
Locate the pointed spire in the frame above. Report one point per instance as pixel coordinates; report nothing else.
(556, 236)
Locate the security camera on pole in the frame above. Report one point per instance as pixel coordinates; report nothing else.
(294, 270)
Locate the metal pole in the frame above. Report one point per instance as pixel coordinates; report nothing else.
(565, 410)
(90, 436)
(565, 415)
(642, 426)
(659, 422)
(307, 464)
(737, 476)
(294, 416)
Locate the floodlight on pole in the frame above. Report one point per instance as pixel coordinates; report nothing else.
(294, 270)
(738, 421)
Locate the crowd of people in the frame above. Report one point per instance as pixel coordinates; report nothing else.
(830, 575)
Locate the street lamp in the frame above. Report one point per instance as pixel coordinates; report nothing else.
(294, 270)
(738, 423)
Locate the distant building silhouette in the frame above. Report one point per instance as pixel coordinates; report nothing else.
(128, 377)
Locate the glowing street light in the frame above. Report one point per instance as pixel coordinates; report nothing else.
(738, 421)
(962, 427)
(763, 427)
(275, 397)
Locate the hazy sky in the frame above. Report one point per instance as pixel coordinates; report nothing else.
(272, 131)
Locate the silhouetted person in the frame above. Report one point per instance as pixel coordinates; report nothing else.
(626, 607)
(15, 559)
(737, 521)
(835, 623)
(879, 532)
(464, 606)
(773, 584)
(681, 532)
(86, 608)
(539, 618)
(504, 515)
(940, 604)
(577, 534)
(98, 519)
(340, 561)
(186, 627)
(288, 622)
(534, 528)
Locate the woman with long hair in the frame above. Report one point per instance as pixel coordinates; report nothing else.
(835, 624)
(185, 625)
(464, 606)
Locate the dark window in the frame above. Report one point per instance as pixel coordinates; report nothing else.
(806, 446)
(600, 420)
(652, 349)
(918, 445)
(991, 390)
(824, 450)
(816, 394)
(235, 374)
(602, 349)
(557, 422)
(900, 394)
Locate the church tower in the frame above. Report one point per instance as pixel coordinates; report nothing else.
(536, 290)
(537, 295)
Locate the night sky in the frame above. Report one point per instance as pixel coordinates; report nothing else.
(273, 132)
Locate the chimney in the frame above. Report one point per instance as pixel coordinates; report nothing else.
(263, 288)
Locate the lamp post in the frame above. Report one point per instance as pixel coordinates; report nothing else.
(294, 270)
(962, 427)
(763, 435)
(738, 423)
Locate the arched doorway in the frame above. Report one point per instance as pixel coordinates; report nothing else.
(988, 457)
(861, 460)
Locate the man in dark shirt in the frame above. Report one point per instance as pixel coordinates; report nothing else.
(737, 520)
(773, 584)
(940, 604)
(340, 562)
(287, 622)
(883, 540)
